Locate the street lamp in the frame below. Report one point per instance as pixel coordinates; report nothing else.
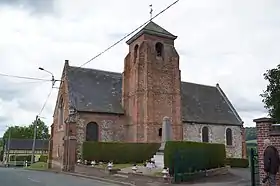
(53, 80)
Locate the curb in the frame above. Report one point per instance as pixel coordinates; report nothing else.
(99, 179)
(85, 176)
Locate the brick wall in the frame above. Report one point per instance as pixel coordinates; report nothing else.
(264, 132)
(217, 134)
(151, 89)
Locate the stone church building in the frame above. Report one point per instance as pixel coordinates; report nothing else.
(129, 106)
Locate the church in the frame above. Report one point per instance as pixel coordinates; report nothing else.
(130, 106)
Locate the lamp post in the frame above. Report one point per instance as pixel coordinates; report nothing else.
(53, 80)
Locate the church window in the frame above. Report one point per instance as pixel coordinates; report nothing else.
(135, 52)
(92, 132)
(160, 132)
(159, 49)
(205, 134)
(229, 136)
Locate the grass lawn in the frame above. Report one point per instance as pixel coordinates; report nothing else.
(37, 166)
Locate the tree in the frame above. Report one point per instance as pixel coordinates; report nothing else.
(27, 132)
(271, 96)
(42, 130)
(251, 133)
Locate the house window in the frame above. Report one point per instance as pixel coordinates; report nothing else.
(159, 49)
(160, 132)
(92, 132)
(229, 136)
(205, 134)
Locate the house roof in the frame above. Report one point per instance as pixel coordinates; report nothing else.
(94, 90)
(26, 144)
(152, 29)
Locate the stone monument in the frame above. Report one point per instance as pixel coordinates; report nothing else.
(166, 136)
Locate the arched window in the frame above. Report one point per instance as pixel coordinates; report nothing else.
(92, 132)
(60, 113)
(135, 52)
(159, 49)
(160, 132)
(205, 134)
(229, 136)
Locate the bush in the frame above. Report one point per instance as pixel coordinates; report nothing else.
(120, 153)
(20, 158)
(43, 158)
(186, 157)
(237, 162)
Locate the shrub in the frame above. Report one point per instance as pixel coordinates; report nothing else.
(237, 162)
(119, 152)
(20, 158)
(43, 158)
(185, 156)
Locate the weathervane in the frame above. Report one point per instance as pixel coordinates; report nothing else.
(151, 12)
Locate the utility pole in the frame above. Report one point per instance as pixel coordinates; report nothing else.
(9, 144)
(34, 139)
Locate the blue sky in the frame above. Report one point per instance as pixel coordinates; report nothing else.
(230, 42)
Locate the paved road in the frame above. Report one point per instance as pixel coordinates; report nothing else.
(21, 177)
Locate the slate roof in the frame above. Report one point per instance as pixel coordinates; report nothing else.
(152, 29)
(94, 90)
(26, 144)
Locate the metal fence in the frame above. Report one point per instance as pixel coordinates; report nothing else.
(254, 166)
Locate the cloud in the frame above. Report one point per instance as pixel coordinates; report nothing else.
(36, 7)
(219, 41)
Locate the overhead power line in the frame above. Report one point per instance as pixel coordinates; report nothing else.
(113, 45)
(45, 103)
(24, 77)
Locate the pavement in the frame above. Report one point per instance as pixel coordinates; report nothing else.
(22, 177)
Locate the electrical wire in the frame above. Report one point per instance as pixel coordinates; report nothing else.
(24, 77)
(113, 45)
(45, 103)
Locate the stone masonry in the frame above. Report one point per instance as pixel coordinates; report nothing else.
(193, 132)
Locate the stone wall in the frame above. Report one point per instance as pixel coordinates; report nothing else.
(264, 131)
(111, 127)
(217, 134)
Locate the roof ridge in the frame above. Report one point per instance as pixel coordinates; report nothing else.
(229, 103)
(94, 69)
(199, 84)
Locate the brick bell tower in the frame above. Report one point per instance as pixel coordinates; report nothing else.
(151, 85)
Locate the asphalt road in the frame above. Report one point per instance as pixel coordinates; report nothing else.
(21, 177)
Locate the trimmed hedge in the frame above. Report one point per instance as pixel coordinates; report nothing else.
(20, 158)
(238, 162)
(187, 157)
(43, 158)
(119, 152)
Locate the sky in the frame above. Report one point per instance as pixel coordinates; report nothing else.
(230, 42)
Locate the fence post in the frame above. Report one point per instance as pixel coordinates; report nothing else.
(252, 162)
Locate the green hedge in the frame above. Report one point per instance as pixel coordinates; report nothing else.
(43, 158)
(119, 152)
(20, 158)
(238, 162)
(186, 157)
